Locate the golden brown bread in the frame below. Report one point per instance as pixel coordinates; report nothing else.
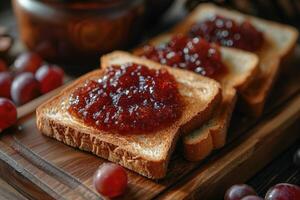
(253, 85)
(146, 154)
(212, 135)
(279, 42)
(242, 67)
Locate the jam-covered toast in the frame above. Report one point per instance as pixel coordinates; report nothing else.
(279, 41)
(252, 85)
(145, 153)
(241, 67)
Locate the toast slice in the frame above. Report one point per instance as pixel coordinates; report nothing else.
(147, 154)
(212, 135)
(279, 42)
(242, 67)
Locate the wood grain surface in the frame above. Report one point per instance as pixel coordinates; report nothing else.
(280, 170)
(42, 168)
(249, 155)
(54, 170)
(8, 192)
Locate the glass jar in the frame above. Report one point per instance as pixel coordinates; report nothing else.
(78, 32)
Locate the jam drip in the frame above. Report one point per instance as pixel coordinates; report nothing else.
(129, 98)
(194, 54)
(227, 32)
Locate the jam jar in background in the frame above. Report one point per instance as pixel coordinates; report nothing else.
(78, 32)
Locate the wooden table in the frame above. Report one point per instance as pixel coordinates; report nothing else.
(280, 169)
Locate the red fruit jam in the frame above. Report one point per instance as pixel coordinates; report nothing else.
(227, 32)
(129, 98)
(194, 54)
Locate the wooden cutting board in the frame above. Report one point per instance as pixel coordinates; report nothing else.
(43, 168)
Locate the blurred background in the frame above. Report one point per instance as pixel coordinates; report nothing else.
(74, 33)
(286, 11)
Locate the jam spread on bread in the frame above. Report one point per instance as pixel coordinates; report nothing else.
(227, 32)
(194, 54)
(128, 98)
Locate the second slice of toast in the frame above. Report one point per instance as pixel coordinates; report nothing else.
(242, 66)
(279, 42)
(145, 153)
(212, 135)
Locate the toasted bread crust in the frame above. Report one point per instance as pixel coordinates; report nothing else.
(204, 117)
(253, 89)
(213, 134)
(201, 149)
(255, 95)
(87, 142)
(214, 137)
(280, 42)
(119, 148)
(230, 57)
(226, 109)
(273, 30)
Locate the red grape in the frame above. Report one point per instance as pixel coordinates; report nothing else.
(50, 77)
(110, 180)
(8, 113)
(283, 191)
(24, 88)
(237, 192)
(252, 197)
(28, 62)
(3, 66)
(5, 84)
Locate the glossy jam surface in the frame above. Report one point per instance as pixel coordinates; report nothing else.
(129, 98)
(227, 32)
(194, 54)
